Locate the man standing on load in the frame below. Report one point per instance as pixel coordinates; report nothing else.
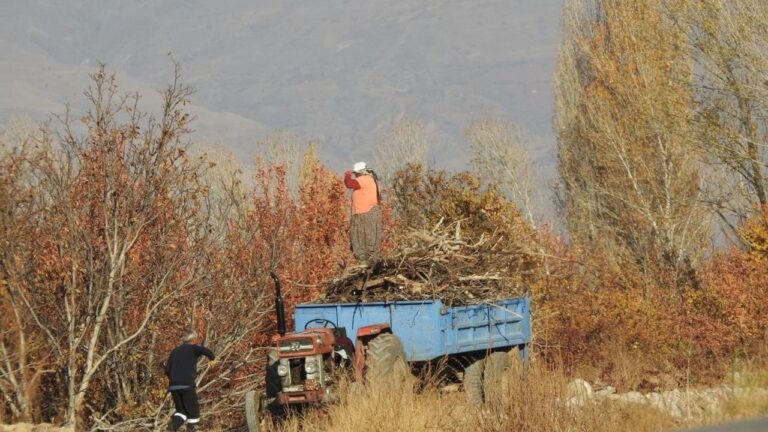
(365, 226)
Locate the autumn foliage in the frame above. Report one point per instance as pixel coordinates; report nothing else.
(116, 240)
(302, 238)
(630, 335)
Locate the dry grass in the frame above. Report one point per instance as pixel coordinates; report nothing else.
(534, 404)
(752, 398)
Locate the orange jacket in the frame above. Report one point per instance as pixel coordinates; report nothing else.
(364, 193)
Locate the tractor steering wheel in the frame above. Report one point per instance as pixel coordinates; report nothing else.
(322, 321)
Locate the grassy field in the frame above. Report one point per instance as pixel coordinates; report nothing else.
(538, 403)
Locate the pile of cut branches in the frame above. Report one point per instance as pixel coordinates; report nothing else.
(439, 264)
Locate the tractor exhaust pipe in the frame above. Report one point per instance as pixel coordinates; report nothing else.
(279, 308)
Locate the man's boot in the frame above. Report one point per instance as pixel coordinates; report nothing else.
(175, 423)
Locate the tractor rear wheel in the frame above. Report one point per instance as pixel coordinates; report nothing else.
(473, 382)
(385, 358)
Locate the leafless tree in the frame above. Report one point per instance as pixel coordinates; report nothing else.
(627, 158)
(285, 148)
(730, 47)
(226, 198)
(22, 354)
(499, 155)
(405, 143)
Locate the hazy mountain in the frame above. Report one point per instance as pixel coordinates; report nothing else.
(339, 71)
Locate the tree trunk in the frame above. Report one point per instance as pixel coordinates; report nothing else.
(72, 407)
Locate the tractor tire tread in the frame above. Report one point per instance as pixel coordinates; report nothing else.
(473, 382)
(496, 366)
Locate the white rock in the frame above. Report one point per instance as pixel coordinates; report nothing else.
(579, 392)
(708, 400)
(675, 403)
(579, 387)
(605, 392)
(655, 400)
(634, 397)
(575, 402)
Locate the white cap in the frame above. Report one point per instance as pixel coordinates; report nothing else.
(359, 167)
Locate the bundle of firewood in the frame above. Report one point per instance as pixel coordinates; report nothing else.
(438, 264)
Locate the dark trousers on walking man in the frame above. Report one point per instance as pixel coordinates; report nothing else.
(187, 408)
(181, 370)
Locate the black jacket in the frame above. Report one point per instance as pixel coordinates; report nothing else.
(181, 367)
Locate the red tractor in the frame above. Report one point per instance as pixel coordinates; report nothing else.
(304, 366)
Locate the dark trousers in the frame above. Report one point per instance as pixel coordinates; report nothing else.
(365, 234)
(187, 408)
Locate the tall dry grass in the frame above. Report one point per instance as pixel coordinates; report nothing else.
(751, 399)
(537, 403)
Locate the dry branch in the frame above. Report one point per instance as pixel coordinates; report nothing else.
(438, 264)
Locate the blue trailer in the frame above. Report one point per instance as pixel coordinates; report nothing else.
(428, 329)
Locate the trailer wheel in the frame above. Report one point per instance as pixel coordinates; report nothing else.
(385, 358)
(473, 382)
(253, 411)
(496, 367)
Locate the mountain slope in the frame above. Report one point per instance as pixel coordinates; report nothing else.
(339, 71)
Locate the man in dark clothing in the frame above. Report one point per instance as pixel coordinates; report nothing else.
(181, 370)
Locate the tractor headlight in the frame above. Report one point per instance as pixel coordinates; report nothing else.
(283, 370)
(310, 365)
